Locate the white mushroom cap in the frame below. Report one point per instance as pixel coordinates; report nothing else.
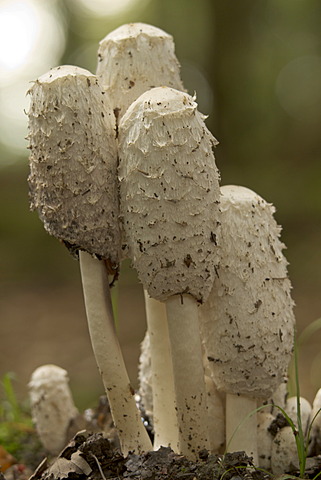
(52, 406)
(169, 193)
(291, 408)
(248, 321)
(73, 161)
(264, 438)
(284, 455)
(134, 58)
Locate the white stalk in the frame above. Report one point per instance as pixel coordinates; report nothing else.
(216, 416)
(164, 412)
(131, 431)
(189, 380)
(264, 438)
(241, 425)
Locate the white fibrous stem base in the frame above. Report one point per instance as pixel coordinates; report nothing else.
(241, 425)
(190, 392)
(164, 413)
(131, 431)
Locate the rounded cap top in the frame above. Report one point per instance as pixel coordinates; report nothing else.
(160, 101)
(132, 30)
(238, 194)
(48, 374)
(63, 71)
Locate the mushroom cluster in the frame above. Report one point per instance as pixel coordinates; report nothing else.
(122, 165)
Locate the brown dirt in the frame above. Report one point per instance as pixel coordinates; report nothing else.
(92, 457)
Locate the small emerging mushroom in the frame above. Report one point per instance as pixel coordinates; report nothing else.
(291, 408)
(284, 454)
(52, 406)
(133, 59)
(248, 321)
(74, 188)
(169, 195)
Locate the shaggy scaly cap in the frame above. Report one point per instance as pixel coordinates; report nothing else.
(248, 321)
(169, 193)
(73, 161)
(52, 406)
(134, 58)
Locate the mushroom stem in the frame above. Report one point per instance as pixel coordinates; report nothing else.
(241, 425)
(186, 348)
(164, 413)
(126, 417)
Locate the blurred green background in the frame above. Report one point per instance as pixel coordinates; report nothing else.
(256, 68)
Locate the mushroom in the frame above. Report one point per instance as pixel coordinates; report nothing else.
(133, 59)
(52, 406)
(284, 454)
(73, 186)
(248, 322)
(291, 409)
(169, 204)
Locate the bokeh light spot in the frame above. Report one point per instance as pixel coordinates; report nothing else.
(106, 7)
(32, 40)
(19, 28)
(298, 88)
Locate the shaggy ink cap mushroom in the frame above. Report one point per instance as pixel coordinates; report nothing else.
(169, 194)
(133, 59)
(248, 320)
(248, 323)
(74, 187)
(52, 406)
(284, 453)
(73, 161)
(291, 409)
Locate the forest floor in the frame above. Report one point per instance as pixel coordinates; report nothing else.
(93, 455)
